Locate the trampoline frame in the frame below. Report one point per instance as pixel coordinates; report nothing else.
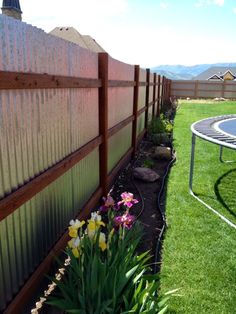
(204, 129)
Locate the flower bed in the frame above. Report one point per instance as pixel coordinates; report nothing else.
(104, 273)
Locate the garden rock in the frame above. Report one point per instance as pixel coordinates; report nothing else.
(219, 99)
(161, 138)
(163, 153)
(145, 174)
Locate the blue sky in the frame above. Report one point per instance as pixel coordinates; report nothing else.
(146, 32)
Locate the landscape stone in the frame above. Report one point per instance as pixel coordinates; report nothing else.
(145, 174)
(219, 99)
(161, 138)
(162, 152)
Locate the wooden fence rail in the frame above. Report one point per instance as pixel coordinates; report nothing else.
(203, 89)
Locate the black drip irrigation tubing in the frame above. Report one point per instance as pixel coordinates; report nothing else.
(159, 207)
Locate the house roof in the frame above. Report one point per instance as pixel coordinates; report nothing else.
(92, 44)
(11, 4)
(215, 77)
(219, 71)
(72, 35)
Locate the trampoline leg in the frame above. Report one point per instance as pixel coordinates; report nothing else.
(221, 153)
(221, 156)
(230, 223)
(192, 164)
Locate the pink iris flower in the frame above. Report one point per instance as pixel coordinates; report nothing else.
(108, 204)
(127, 199)
(125, 221)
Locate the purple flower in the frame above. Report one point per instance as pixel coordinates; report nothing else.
(108, 204)
(125, 221)
(127, 199)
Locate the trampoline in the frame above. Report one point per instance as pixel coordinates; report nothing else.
(221, 131)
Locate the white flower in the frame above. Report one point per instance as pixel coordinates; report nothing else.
(102, 237)
(76, 223)
(74, 243)
(102, 241)
(95, 216)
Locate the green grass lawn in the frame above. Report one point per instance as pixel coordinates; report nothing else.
(199, 252)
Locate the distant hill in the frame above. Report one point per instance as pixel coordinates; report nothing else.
(182, 72)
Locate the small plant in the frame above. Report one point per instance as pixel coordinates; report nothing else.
(105, 274)
(148, 163)
(160, 125)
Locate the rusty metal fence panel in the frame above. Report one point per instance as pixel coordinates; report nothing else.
(119, 145)
(142, 89)
(151, 88)
(120, 104)
(150, 98)
(28, 233)
(42, 127)
(140, 123)
(120, 98)
(141, 101)
(120, 107)
(38, 128)
(25, 48)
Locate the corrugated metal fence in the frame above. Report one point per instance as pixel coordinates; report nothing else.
(69, 120)
(203, 89)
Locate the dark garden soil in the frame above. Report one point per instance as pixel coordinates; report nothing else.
(151, 205)
(151, 196)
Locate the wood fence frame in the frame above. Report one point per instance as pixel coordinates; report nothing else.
(196, 90)
(15, 80)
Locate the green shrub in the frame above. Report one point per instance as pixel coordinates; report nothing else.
(160, 125)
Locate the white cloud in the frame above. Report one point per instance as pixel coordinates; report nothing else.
(198, 4)
(201, 3)
(164, 5)
(234, 10)
(219, 2)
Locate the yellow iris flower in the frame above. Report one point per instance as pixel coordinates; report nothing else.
(75, 225)
(75, 252)
(102, 241)
(74, 245)
(94, 224)
(73, 232)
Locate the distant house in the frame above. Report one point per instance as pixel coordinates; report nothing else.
(218, 74)
(72, 35)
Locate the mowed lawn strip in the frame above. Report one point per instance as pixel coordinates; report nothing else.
(199, 249)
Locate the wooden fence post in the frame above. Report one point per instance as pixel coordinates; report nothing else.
(135, 110)
(154, 95)
(147, 96)
(103, 121)
(158, 95)
(223, 90)
(196, 89)
(167, 89)
(163, 92)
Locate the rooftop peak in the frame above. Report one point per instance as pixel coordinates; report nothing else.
(12, 8)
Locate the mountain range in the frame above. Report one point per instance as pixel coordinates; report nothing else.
(182, 72)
